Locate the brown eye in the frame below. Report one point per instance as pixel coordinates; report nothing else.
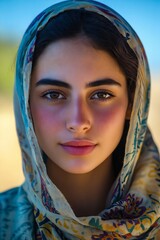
(101, 95)
(53, 95)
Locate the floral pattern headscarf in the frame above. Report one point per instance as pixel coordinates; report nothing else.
(134, 209)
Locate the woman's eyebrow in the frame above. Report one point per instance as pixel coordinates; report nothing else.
(105, 81)
(55, 82)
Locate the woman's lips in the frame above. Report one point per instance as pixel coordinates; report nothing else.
(78, 147)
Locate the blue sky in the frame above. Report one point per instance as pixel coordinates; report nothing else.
(143, 15)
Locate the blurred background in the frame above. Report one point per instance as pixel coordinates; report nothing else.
(15, 16)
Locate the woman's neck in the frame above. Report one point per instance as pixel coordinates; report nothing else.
(86, 193)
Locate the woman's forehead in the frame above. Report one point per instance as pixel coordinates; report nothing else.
(73, 59)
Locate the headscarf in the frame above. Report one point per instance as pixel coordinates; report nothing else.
(134, 208)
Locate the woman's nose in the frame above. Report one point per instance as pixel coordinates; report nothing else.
(79, 118)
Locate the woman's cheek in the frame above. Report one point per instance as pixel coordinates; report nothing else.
(112, 117)
(45, 119)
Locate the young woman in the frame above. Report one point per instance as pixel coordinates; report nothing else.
(92, 170)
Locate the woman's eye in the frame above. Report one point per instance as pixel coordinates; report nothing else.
(101, 95)
(53, 95)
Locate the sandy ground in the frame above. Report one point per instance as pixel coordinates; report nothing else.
(11, 174)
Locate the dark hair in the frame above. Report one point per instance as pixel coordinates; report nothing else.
(103, 35)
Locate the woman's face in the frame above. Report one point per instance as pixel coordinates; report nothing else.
(78, 101)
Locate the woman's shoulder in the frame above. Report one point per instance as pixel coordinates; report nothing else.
(9, 197)
(13, 199)
(16, 215)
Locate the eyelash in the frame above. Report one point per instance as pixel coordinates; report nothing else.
(109, 95)
(57, 92)
(47, 95)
